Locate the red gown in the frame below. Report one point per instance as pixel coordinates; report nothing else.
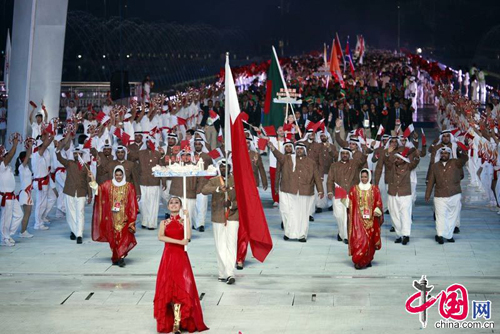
(364, 233)
(111, 227)
(175, 284)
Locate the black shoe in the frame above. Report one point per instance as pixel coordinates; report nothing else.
(201, 229)
(282, 226)
(386, 212)
(115, 263)
(230, 280)
(392, 229)
(456, 230)
(339, 238)
(286, 238)
(302, 240)
(346, 241)
(357, 267)
(121, 263)
(330, 208)
(239, 266)
(398, 240)
(369, 265)
(144, 227)
(311, 218)
(222, 280)
(406, 240)
(72, 236)
(450, 240)
(440, 240)
(319, 210)
(151, 228)
(434, 216)
(79, 240)
(193, 228)
(436, 238)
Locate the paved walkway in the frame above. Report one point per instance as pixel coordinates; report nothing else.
(50, 284)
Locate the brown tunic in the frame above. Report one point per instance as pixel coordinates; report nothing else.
(102, 169)
(324, 155)
(446, 178)
(302, 180)
(77, 180)
(258, 168)
(147, 159)
(398, 177)
(218, 199)
(207, 161)
(345, 174)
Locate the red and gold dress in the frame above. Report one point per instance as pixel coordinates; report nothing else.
(115, 213)
(175, 284)
(364, 226)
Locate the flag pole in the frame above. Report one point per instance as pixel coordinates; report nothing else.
(286, 90)
(185, 203)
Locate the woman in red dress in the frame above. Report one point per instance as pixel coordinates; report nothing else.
(115, 212)
(176, 303)
(365, 219)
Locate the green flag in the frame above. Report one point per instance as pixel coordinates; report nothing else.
(273, 112)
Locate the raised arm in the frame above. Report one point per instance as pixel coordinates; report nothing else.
(279, 156)
(29, 150)
(8, 158)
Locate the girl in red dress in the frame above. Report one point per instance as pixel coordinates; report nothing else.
(176, 303)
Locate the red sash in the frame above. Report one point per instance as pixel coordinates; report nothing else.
(42, 181)
(7, 196)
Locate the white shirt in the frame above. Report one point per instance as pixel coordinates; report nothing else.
(279, 146)
(7, 180)
(70, 112)
(25, 176)
(40, 164)
(36, 129)
(107, 109)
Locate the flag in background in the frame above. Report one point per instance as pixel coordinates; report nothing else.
(348, 55)
(338, 50)
(273, 112)
(335, 67)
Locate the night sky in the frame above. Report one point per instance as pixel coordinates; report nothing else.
(453, 31)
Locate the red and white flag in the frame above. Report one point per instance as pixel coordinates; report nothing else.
(253, 224)
(102, 118)
(340, 193)
(81, 163)
(408, 131)
(424, 140)
(381, 130)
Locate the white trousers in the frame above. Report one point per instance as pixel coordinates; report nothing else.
(324, 202)
(295, 211)
(165, 194)
(447, 213)
(226, 245)
(11, 217)
(201, 210)
(400, 208)
(41, 197)
(51, 201)
(340, 214)
(149, 204)
(190, 205)
(60, 180)
(75, 214)
(413, 186)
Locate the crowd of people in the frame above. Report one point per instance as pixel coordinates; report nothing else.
(350, 149)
